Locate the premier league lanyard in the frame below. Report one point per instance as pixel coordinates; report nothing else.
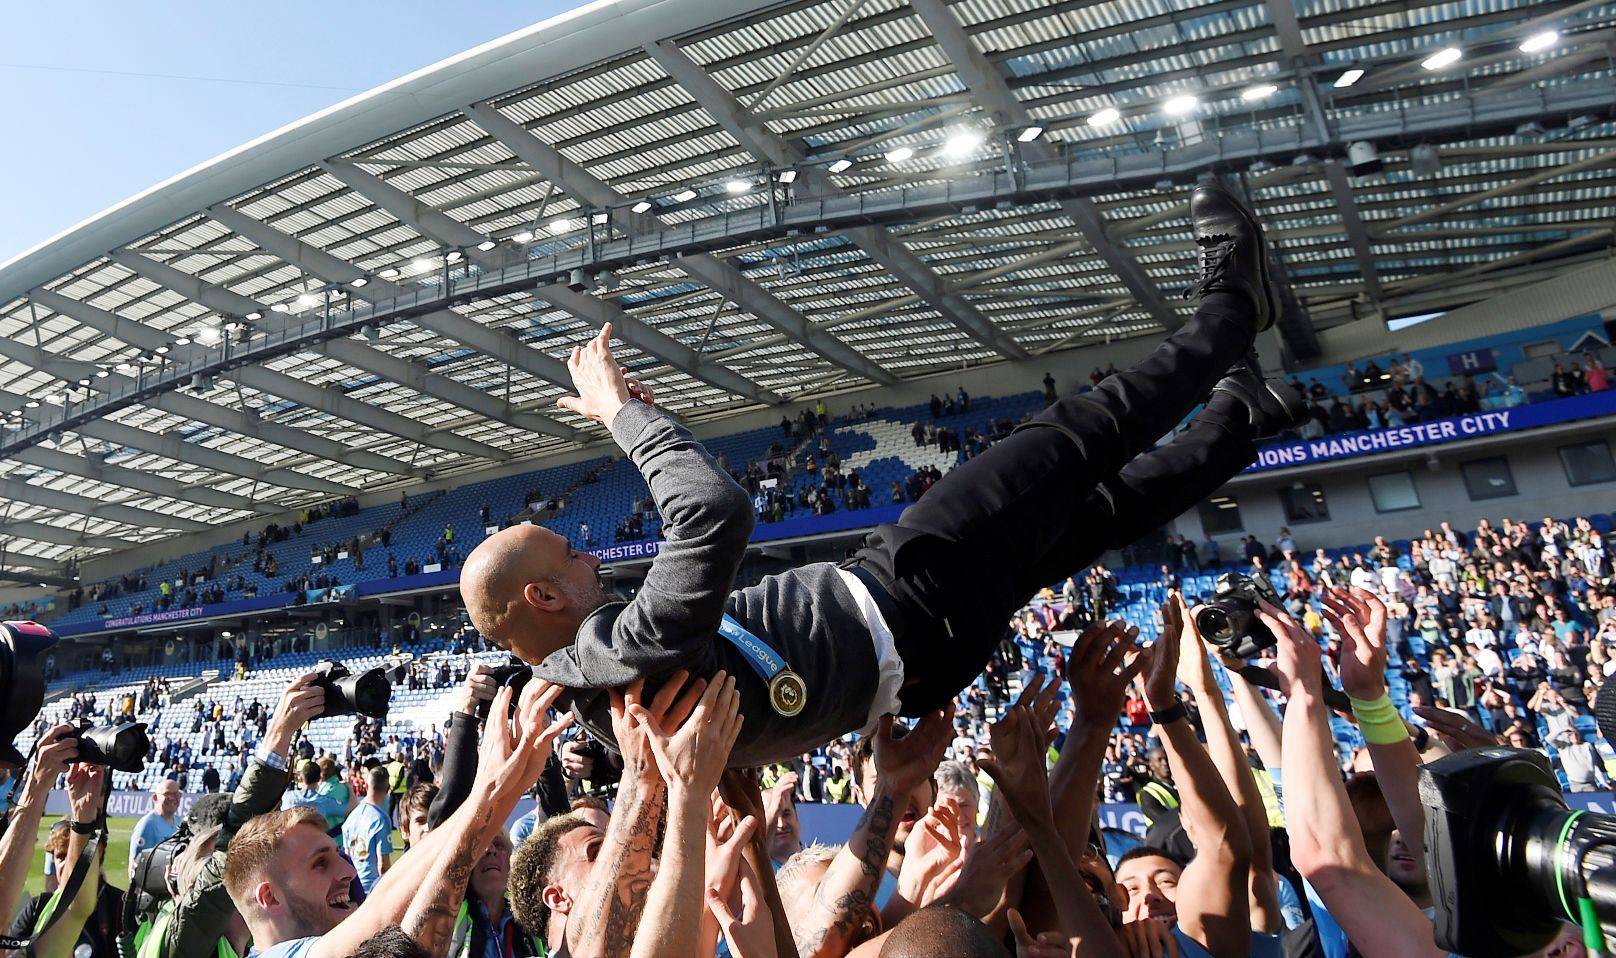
(787, 691)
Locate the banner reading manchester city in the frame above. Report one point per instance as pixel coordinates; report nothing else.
(1488, 422)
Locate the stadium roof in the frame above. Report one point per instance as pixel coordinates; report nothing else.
(768, 200)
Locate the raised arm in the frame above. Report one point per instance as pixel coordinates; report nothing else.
(510, 761)
(1327, 846)
(1360, 619)
(707, 520)
(57, 748)
(460, 744)
(847, 892)
(86, 792)
(1212, 898)
(1018, 772)
(608, 910)
(1102, 664)
(690, 759)
(1223, 745)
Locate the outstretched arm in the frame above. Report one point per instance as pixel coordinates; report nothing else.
(1327, 846)
(846, 895)
(707, 520)
(1360, 619)
(690, 760)
(57, 747)
(1212, 906)
(1223, 745)
(608, 910)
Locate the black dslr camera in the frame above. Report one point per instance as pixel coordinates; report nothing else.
(1229, 619)
(1509, 861)
(121, 748)
(22, 682)
(513, 672)
(367, 693)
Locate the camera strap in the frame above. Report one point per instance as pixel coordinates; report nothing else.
(59, 902)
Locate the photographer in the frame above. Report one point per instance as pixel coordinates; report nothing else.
(56, 750)
(204, 912)
(293, 887)
(90, 919)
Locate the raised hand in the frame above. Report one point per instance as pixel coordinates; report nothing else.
(1299, 663)
(693, 757)
(1194, 668)
(905, 762)
(301, 702)
(933, 853)
(987, 870)
(1455, 730)
(1145, 937)
(58, 747)
(1161, 671)
(602, 387)
(669, 707)
(86, 790)
(479, 686)
(1104, 660)
(726, 839)
(751, 933)
(1360, 619)
(1017, 767)
(1048, 944)
(513, 751)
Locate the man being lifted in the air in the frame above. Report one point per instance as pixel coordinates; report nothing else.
(910, 620)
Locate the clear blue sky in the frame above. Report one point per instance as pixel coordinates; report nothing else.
(102, 100)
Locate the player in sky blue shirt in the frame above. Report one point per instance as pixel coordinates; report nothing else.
(367, 835)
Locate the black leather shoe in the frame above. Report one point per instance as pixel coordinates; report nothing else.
(1230, 252)
(1272, 405)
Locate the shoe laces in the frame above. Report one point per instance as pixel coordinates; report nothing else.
(1212, 254)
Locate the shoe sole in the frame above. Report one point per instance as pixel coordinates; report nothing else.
(1269, 291)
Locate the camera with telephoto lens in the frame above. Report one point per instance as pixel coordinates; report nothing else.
(154, 870)
(122, 747)
(22, 682)
(1229, 619)
(513, 672)
(367, 693)
(1509, 861)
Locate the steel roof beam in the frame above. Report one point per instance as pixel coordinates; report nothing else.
(56, 535)
(173, 447)
(597, 311)
(705, 267)
(444, 229)
(87, 467)
(1288, 28)
(317, 262)
(895, 257)
(239, 421)
(71, 502)
(323, 398)
(983, 79)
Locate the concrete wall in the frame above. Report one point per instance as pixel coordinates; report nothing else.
(1535, 464)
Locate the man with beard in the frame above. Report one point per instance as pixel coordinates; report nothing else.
(290, 882)
(910, 620)
(550, 871)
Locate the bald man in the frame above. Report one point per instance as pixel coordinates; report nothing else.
(900, 628)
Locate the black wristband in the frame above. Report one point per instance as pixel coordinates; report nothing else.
(1171, 713)
(83, 828)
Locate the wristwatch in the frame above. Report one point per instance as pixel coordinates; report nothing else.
(1171, 713)
(83, 828)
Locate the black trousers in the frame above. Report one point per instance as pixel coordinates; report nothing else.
(1049, 499)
